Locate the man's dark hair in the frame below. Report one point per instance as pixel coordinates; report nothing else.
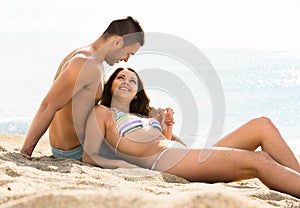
(128, 28)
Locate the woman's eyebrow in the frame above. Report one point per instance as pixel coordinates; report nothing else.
(133, 78)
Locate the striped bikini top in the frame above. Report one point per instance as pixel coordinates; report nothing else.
(126, 122)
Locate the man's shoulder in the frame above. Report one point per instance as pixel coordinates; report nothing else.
(79, 54)
(81, 58)
(83, 61)
(80, 63)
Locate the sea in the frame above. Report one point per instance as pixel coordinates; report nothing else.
(253, 83)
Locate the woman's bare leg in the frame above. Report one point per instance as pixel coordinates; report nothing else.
(261, 132)
(230, 165)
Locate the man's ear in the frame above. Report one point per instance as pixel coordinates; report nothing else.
(118, 42)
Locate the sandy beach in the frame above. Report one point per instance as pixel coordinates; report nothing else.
(47, 182)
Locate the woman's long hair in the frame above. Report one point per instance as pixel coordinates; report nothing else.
(138, 105)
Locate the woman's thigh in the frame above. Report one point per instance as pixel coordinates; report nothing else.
(210, 165)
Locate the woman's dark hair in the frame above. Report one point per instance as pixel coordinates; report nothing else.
(128, 28)
(138, 105)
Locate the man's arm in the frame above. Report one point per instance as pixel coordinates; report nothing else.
(58, 96)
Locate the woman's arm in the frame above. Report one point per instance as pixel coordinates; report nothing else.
(165, 117)
(168, 125)
(95, 131)
(160, 115)
(177, 139)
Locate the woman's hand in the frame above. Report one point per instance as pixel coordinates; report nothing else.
(157, 114)
(168, 114)
(165, 117)
(168, 123)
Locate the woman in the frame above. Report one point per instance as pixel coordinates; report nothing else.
(119, 121)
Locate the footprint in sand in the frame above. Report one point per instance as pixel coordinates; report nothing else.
(11, 172)
(2, 149)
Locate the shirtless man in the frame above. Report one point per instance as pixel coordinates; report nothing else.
(77, 88)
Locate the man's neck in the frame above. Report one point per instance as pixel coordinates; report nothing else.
(99, 49)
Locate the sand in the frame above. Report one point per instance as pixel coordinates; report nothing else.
(48, 182)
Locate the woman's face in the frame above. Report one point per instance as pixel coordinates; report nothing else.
(125, 85)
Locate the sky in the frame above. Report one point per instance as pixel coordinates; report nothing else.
(259, 24)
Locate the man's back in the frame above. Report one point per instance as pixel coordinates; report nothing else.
(68, 125)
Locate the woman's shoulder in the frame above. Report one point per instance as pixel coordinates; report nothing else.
(102, 109)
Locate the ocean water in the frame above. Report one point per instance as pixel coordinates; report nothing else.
(255, 83)
(261, 83)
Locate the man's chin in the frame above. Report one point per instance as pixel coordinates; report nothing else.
(113, 63)
(109, 63)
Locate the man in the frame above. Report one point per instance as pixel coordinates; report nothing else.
(77, 88)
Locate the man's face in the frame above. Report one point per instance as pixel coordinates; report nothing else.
(121, 54)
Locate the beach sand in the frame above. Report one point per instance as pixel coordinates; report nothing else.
(48, 182)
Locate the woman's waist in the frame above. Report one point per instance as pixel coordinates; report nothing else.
(140, 148)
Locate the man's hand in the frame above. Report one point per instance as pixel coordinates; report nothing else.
(26, 155)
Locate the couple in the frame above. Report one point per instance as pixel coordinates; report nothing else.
(133, 134)
(77, 88)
